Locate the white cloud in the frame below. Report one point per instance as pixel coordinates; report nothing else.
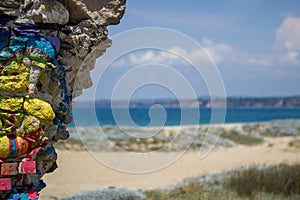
(290, 57)
(218, 52)
(287, 42)
(286, 51)
(152, 56)
(172, 56)
(229, 59)
(287, 36)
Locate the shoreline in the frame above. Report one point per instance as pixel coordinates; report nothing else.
(193, 125)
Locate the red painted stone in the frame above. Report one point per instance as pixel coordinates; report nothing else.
(5, 184)
(27, 167)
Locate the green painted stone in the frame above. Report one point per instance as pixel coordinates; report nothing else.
(39, 64)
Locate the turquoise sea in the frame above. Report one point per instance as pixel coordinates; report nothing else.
(176, 116)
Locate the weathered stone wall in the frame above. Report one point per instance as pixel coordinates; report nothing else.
(42, 49)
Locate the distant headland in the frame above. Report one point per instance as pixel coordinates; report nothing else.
(202, 102)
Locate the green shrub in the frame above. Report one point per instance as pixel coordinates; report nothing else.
(295, 143)
(192, 191)
(279, 180)
(273, 183)
(238, 138)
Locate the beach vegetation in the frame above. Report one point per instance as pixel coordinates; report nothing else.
(270, 144)
(243, 139)
(70, 144)
(278, 180)
(294, 143)
(275, 182)
(142, 144)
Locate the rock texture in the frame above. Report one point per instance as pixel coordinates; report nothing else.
(43, 44)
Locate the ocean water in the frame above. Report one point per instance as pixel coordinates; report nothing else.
(176, 116)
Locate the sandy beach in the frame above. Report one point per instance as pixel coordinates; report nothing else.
(79, 171)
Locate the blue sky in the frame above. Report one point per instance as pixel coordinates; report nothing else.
(254, 43)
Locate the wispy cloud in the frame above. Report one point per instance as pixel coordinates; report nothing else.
(284, 57)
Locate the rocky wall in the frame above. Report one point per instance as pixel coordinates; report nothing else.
(44, 46)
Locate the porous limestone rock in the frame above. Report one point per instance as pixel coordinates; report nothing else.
(48, 11)
(100, 12)
(45, 45)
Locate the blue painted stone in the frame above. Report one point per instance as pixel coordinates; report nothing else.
(4, 55)
(20, 196)
(43, 46)
(4, 35)
(26, 32)
(55, 42)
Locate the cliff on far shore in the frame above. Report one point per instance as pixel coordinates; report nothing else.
(205, 102)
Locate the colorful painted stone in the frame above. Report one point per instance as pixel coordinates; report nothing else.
(13, 147)
(39, 109)
(5, 184)
(19, 196)
(30, 125)
(5, 54)
(4, 35)
(11, 119)
(13, 68)
(26, 195)
(40, 49)
(27, 167)
(14, 84)
(11, 104)
(9, 169)
(42, 46)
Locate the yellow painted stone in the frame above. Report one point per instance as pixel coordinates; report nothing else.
(11, 103)
(14, 84)
(14, 68)
(9, 131)
(8, 118)
(22, 147)
(38, 64)
(4, 147)
(30, 125)
(39, 109)
(3, 133)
